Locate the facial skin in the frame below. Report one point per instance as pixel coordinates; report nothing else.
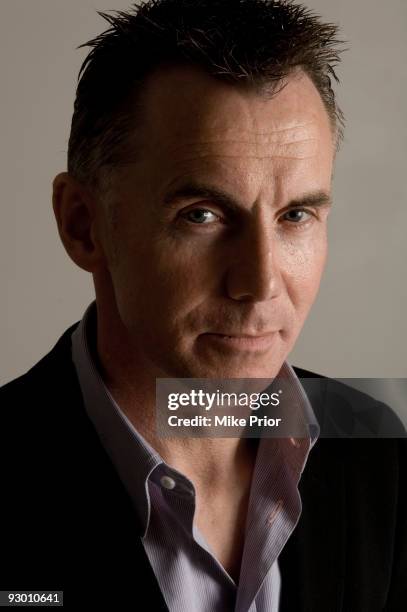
(248, 271)
(162, 281)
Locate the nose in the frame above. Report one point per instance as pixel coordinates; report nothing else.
(254, 274)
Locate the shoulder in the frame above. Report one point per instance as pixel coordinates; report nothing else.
(362, 444)
(49, 363)
(42, 416)
(344, 411)
(30, 399)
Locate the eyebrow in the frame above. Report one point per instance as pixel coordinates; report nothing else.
(206, 192)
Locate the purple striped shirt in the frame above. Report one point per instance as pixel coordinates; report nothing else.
(189, 575)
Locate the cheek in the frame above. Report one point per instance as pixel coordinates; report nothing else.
(161, 280)
(302, 265)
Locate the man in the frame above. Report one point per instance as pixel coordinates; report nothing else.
(197, 195)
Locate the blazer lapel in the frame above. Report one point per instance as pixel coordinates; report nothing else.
(318, 544)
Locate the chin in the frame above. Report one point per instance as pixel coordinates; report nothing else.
(224, 370)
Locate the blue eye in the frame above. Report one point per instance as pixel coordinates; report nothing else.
(199, 215)
(296, 215)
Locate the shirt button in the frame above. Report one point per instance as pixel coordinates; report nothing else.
(167, 482)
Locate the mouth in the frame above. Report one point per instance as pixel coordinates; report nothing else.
(242, 342)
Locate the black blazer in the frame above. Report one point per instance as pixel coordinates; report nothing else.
(67, 522)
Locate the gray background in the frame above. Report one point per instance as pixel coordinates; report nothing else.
(357, 326)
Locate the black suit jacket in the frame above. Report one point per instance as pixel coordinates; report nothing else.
(67, 522)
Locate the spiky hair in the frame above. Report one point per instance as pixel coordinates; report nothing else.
(251, 43)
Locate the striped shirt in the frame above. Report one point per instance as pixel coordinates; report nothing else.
(189, 575)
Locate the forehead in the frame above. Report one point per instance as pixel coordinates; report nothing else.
(184, 107)
(197, 127)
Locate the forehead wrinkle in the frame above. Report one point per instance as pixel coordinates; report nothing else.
(256, 157)
(284, 136)
(244, 142)
(301, 149)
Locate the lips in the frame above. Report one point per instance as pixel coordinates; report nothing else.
(226, 335)
(242, 342)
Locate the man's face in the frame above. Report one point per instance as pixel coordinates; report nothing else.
(221, 225)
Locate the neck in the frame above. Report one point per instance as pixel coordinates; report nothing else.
(211, 463)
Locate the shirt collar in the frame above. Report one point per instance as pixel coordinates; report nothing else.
(299, 395)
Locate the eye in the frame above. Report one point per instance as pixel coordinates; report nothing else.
(200, 216)
(297, 215)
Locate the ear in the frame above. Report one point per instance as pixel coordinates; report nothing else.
(75, 212)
